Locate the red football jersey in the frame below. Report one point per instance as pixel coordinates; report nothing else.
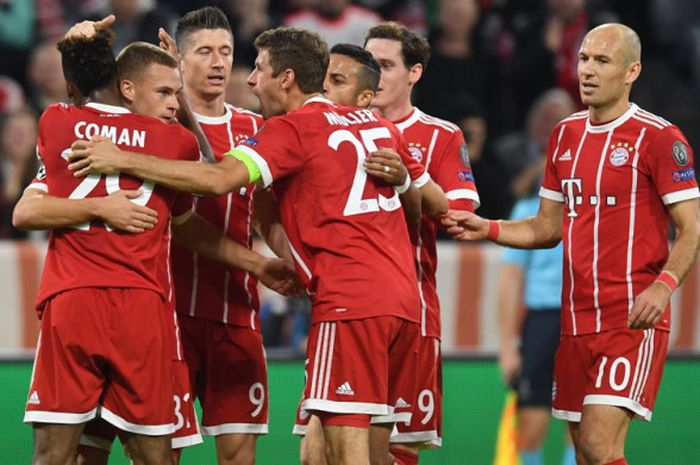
(438, 145)
(91, 254)
(346, 229)
(206, 288)
(616, 180)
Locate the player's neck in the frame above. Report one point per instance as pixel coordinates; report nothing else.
(396, 111)
(106, 96)
(609, 113)
(207, 105)
(296, 100)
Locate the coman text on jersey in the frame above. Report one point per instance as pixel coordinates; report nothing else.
(120, 136)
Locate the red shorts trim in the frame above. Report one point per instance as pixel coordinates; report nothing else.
(425, 426)
(228, 373)
(102, 360)
(620, 367)
(362, 366)
(358, 420)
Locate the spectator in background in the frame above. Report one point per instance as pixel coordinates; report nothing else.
(459, 63)
(337, 21)
(467, 113)
(138, 20)
(45, 77)
(518, 151)
(248, 18)
(11, 95)
(22, 23)
(546, 53)
(18, 133)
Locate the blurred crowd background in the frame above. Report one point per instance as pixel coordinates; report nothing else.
(503, 70)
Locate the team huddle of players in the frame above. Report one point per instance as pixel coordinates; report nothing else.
(346, 182)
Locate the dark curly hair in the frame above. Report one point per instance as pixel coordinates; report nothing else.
(89, 62)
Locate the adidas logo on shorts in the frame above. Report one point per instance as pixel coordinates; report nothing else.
(33, 398)
(400, 403)
(345, 390)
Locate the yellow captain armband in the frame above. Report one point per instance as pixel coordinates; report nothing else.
(253, 170)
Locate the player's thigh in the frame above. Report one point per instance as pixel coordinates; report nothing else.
(347, 445)
(603, 431)
(425, 426)
(626, 369)
(235, 395)
(312, 447)
(236, 449)
(148, 450)
(349, 366)
(68, 378)
(139, 395)
(55, 444)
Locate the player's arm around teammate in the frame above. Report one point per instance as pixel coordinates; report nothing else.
(37, 209)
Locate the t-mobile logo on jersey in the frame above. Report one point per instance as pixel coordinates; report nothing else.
(571, 188)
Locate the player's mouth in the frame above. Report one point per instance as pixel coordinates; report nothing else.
(588, 87)
(216, 79)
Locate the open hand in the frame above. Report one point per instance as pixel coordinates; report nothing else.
(119, 212)
(97, 155)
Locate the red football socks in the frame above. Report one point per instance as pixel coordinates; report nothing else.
(403, 456)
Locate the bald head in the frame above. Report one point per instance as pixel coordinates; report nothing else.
(624, 38)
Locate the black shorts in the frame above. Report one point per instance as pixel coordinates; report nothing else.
(539, 343)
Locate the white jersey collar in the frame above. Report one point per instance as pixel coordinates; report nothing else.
(103, 107)
(620, 120)
(408, 122)
(214, 119)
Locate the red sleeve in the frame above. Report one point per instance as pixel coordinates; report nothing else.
(668, 160)
(276, 149)
(416, 171)
(551, 184)
(453, 172)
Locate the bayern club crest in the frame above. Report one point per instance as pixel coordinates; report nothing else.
(416, 152)
(620, 153)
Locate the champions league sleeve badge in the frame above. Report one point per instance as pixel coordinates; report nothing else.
(464, 155)
(680, 153)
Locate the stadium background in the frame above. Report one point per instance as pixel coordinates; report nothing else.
(501, 81)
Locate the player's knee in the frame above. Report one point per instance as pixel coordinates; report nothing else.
(236, 449)
(594, 447)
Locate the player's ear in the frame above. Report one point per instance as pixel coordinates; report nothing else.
(73, 92)
(415, 73)
(365, 98)
(288, 78)
(127, 90)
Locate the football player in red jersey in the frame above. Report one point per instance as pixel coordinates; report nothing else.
(440, 147)
(148, 82)
(352, 78)
(347, 233)
(615, 176)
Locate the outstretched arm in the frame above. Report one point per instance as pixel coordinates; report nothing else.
(651, 303)
(540, 231)
(100, 155)
(38, 210)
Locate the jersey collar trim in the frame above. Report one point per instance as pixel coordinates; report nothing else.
(318, 99)
(214, 119)
(612, 124)
(408, 122)
(103, 107)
